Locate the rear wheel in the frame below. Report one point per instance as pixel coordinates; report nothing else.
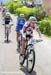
(7, 36)
(30, 60)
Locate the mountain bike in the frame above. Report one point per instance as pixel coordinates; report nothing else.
(7, 31)
(30, 54)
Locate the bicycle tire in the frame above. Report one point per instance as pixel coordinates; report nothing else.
(7, 36)
(32, 50)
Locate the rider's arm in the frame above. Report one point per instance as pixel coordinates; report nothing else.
(37, 29)
(39, 32)
(17, 22)
(4, 18)
(24, 30)
(25, 21)
(11, 18)
(25, 26)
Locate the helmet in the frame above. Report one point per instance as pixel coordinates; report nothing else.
(21, 15)
(33, 19)
(7, 14)
(4, 7)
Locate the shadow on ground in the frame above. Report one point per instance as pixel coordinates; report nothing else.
(23, 69)
(5, 41)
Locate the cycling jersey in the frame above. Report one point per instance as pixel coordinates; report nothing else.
(7, 19)
(28, 30)
(20, 24)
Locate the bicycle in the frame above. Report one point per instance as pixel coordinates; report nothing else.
(19, 41)
(7, 31)
(30, 54)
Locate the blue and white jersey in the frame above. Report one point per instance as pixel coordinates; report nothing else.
(20, 23)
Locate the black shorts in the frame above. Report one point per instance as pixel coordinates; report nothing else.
(7, 22)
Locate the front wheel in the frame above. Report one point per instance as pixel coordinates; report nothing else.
(30, 60)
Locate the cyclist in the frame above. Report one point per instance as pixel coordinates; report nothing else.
(19, 25)
(7, 19)
(4, 11)
(28, 30)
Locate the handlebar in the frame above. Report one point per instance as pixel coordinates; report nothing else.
(38, 40)
(10, 24)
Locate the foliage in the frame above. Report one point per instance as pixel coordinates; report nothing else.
(13, 5)
(18, 8)
(25, 10)
(45, 26)
(37, 12)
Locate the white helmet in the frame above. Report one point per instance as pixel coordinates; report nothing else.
(4, 7)
(7, 14)
(21, 15)
(33, 19)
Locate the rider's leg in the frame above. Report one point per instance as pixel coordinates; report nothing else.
(5, 31)
(10, 29)
(22, 51)
(17, 38)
